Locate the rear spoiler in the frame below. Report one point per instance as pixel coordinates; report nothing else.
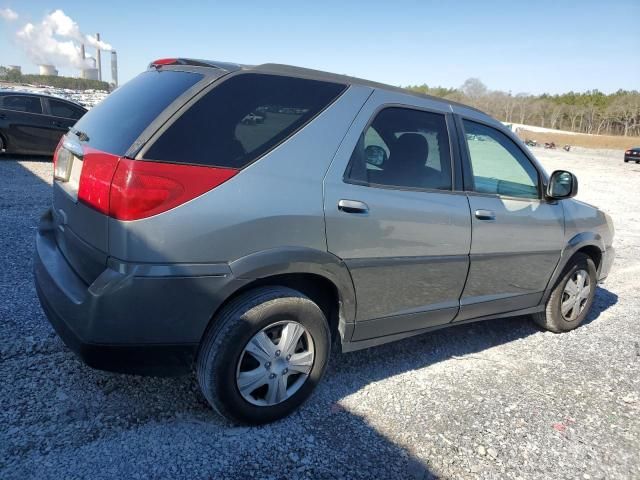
(227, 67)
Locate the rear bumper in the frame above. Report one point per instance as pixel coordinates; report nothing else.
(143, 319)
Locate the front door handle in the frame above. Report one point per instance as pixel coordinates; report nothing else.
(353, 206)
(56, 123)
(482, 214)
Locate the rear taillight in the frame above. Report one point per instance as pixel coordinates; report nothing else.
(141, 189)
(95, 180)
(61, 162)
(128, 189)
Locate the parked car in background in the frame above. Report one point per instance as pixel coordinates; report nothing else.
(253, 119)
(33, 124)
(632, 155)
(355, 214)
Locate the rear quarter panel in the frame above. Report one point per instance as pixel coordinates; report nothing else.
(275, 202)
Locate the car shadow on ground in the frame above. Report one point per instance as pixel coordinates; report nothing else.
(139, 406)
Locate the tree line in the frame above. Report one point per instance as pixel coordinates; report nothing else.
(587, 112)
(14, 76)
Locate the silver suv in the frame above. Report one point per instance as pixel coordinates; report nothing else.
(182, 235)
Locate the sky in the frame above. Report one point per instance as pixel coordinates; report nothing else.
(534, 47)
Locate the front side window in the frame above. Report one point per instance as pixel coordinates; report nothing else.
(64, 110)
(403, 148)
(241, 119)
(22, 103)
(498, 165)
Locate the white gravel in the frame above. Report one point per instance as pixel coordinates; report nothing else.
(499, 399)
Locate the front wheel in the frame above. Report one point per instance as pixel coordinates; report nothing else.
(264, 355)
(571, 299)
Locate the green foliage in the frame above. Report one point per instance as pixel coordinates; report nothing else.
(587, 112)
(54, 81)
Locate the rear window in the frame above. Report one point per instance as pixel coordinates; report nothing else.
(241, 119)
(114, 124)
(63, 109)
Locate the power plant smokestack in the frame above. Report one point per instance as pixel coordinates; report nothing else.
(114, 68)
(99, 58)
(82, 54)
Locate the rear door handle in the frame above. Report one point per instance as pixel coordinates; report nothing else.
(482, 214)
(3, 116)
(56, 123)
(353, 206)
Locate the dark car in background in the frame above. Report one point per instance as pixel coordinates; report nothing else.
(632, 155)
(32, 123)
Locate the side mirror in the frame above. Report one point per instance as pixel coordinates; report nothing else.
(375, 155)
(562, 184)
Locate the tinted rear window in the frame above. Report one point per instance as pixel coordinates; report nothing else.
(241, 119)
(63, 109)
(114, 124)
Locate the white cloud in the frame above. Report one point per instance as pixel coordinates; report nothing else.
(56, 40)
(8, 14)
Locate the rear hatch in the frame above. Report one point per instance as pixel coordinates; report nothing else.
(86, 158)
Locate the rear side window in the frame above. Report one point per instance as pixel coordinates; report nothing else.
(403, 148)
(64, 110)
(114, 124)
(22, 103)
(241, 119)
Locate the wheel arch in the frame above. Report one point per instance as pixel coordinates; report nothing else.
(321, 276)
(588, 243)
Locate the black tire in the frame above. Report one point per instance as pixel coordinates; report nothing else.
(552, 319)
(626, 161)
(233, 327)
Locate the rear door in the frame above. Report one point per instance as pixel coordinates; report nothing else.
(517, 234)
(62, 116)
(27, 128)
(394, 217)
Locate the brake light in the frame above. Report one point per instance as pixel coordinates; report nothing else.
(95, 180)
(128, 189)
(165, 61)
(141, 189)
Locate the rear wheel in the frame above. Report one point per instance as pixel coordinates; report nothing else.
(264, 355)
(572, 296)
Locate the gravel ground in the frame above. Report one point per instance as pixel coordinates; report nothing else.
(499, 399)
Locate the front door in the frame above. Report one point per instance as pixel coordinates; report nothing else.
(517, 235)
(393, 217)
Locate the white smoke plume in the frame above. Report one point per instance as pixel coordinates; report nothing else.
(8, 14)
(56, 40)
